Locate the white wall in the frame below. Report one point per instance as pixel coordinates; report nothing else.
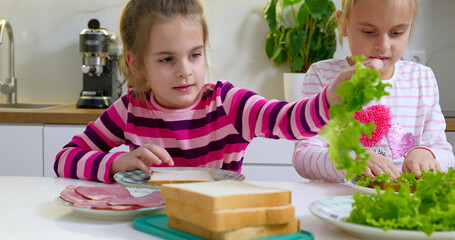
(48, 60)
(437, 34)
(46, 36)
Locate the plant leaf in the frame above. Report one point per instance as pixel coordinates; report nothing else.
(316, 7)
(302, 16)
(270, 14)
(297, 65)
(279, 56)
(294, 42)
(269, 44)
(279, 13)
(290, 2)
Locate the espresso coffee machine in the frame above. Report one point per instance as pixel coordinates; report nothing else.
(101, 75)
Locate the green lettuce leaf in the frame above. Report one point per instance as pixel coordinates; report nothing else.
(406, 178)
(431, 207)
(343, 132)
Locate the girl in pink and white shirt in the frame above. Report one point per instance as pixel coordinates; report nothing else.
(409, 134)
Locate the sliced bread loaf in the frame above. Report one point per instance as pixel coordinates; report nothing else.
(223, 220)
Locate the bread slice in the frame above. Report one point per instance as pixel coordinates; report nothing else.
(236, 234)
(186, 176)
(226, 194)
(223, 220)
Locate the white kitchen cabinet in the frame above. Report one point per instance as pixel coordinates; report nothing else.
(30, 150)
(269, 151)
(451, 139)
(21, 147)
(271, 172)
(270, 159)
(55, 137)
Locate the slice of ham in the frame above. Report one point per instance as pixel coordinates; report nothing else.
(153, 199)
(100, 197)
(103, 193)
(69, 194)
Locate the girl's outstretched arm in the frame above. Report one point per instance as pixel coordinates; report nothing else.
(87, 155)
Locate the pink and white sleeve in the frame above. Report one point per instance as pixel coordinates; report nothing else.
(433, 135)
(311, 160)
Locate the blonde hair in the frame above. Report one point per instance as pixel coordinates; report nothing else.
(137, 19)
(348, 5)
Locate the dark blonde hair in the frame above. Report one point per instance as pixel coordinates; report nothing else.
(348, 5)
(137, 19)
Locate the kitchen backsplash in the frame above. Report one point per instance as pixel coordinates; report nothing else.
(48, 62)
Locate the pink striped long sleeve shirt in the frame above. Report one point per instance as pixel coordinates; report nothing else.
(415, 112)
(212, 133)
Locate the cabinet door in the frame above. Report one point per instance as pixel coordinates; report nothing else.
(451, 139)
(269, 151)
(270, 160)
(21, 147)
(271, 172)
(55, 137)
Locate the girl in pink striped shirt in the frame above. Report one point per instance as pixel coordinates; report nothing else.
(170, 117)
(409, 134)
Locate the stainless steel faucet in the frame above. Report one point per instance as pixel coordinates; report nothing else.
(9, 88)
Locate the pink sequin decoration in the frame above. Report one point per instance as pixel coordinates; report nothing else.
(399, 142)
(380, 116)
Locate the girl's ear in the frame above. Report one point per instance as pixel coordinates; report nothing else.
(132, 64)
(341, 25)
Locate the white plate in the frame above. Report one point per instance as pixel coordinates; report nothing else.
(138, 178)
(368, 190)
(103, 214)
(334, 210)
(353, 183)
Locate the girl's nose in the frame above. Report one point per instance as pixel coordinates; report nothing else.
(184, 70)
(383, 43)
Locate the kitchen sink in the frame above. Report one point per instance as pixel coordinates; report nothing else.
(27, 106)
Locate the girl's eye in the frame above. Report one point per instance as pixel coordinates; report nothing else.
(195, 55)
(165, 60)
(399, 33)
(368, 32)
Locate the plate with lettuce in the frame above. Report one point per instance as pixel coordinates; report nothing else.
(429, 213)
(383, 181)
(336, 210)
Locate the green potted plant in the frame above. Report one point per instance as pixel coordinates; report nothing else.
(301, 33)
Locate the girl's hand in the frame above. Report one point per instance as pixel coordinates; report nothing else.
(418, 160)
(378, 164)
(141, 158)
(332, 96)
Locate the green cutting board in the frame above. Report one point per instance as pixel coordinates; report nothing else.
(157, 225)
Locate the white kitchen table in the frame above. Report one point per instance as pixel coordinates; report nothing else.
(28, 211)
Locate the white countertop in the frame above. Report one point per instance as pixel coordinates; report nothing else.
(28, 211)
